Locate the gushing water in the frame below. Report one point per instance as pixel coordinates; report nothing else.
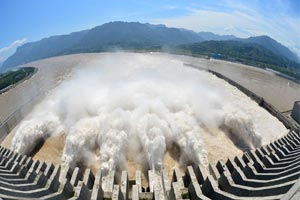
(126, 102)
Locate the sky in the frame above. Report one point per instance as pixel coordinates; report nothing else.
(31, 20)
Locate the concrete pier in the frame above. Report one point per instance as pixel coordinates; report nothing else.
(296, 112)
(268, 172)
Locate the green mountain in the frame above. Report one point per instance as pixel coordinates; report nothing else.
(134, 36)
(273, 46)
(212, 36)
(113, 35)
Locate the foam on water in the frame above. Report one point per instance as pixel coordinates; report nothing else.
(127, 102)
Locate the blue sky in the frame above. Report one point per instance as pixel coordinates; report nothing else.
(24, 21)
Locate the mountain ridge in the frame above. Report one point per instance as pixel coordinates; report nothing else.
(126, 35)
(271, 44)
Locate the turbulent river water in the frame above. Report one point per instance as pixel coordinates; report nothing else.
(116, 110)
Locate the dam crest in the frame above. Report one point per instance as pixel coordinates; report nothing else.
(269, 172)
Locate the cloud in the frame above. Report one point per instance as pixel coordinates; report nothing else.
(242, 20)
(7, 51)
(209, 20)
(170, 7)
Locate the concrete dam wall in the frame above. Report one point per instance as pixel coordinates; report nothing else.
(269, 172)
(290, 124)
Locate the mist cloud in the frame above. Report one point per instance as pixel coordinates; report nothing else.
(144, 104)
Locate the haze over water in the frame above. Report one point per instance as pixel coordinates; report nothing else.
(124, 102)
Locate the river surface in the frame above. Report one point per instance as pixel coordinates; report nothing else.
(280, 92)
(52, 71)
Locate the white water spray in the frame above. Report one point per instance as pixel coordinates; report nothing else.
(149, 100)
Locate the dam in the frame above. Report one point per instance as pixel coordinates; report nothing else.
(269, 171)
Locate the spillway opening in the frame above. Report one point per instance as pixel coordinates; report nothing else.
(126, 111)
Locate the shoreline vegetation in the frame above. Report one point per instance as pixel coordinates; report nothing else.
(12, 78)
(291, 73)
